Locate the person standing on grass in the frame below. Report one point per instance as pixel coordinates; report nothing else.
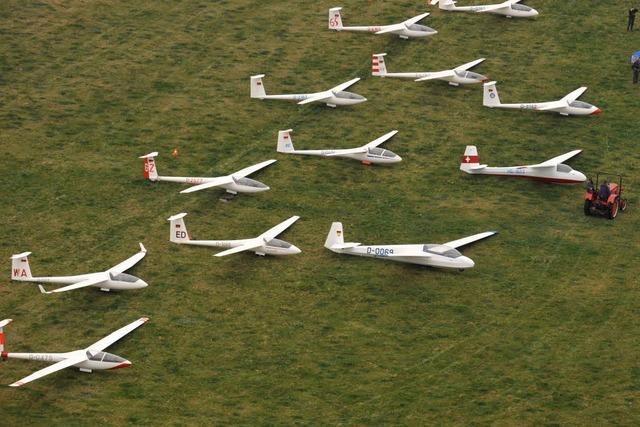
(632, 18)
(636, 70)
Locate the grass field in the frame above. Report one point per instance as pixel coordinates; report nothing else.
(544, 330)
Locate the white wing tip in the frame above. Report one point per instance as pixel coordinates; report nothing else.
(177, 216)
(142, 248)
(144, 319)
(23, 254)
(43, 290)
(150, 155)
(17, 384)
(336, 8)
(258, 76)
(380, 54)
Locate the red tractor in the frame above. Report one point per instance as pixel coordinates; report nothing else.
(604, 199)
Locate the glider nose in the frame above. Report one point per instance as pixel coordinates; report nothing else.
(293, 250)
(124, 364)
(466, 262)
(141, 284)
(596, 112)
(579, 176)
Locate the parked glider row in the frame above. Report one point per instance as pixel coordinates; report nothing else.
(460, 75)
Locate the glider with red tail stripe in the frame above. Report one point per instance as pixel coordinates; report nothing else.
(234, 183)
(405, 29)
(552, 171)
(86, 360)
(459, 75)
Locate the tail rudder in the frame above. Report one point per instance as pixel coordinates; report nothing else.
(378, 67)
(150, 171)
(285, 142)
(470, 158)
(20, 266)
(257, 87)
(490, 96)
(335, 236)
(445, 4)
(335, 20)
(3, 323)
(178, 229)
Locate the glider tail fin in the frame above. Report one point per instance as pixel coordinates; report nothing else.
(335, 20)
(3, 323)
(257, 87)
(178, 230)
(490, 96)
(20, 266)
(150, 171)
(378, 67)
(285, 142)
(335, 236)
(470, 158)
(445, 4)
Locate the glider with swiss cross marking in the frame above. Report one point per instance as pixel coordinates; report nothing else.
(552, 171)
(406, 29)
(567, 106)
(235, 183)
(113, 278)
(264, 244)
(443, 255)
(368, 154)
(457, 76)
(334, 97)
(509, 8)
(86, 360)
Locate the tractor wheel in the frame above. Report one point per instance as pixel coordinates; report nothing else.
(623, 205)
(587, 207)
(613, 209)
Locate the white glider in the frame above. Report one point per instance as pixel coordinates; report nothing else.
(404, 30)
(457, 76)
(552, 171)
(113, 278)
(86, 360)
(235, 183)
(264, 244)
(368, 154)
(433, 255)
(334, 97)
(567, 106)
(509, 8)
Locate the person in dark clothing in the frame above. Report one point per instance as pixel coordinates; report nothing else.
(632, 18)
(636, 70)
(604, 192)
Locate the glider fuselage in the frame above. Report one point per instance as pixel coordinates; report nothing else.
(440, 256)
(100, 361)
(239, 185)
